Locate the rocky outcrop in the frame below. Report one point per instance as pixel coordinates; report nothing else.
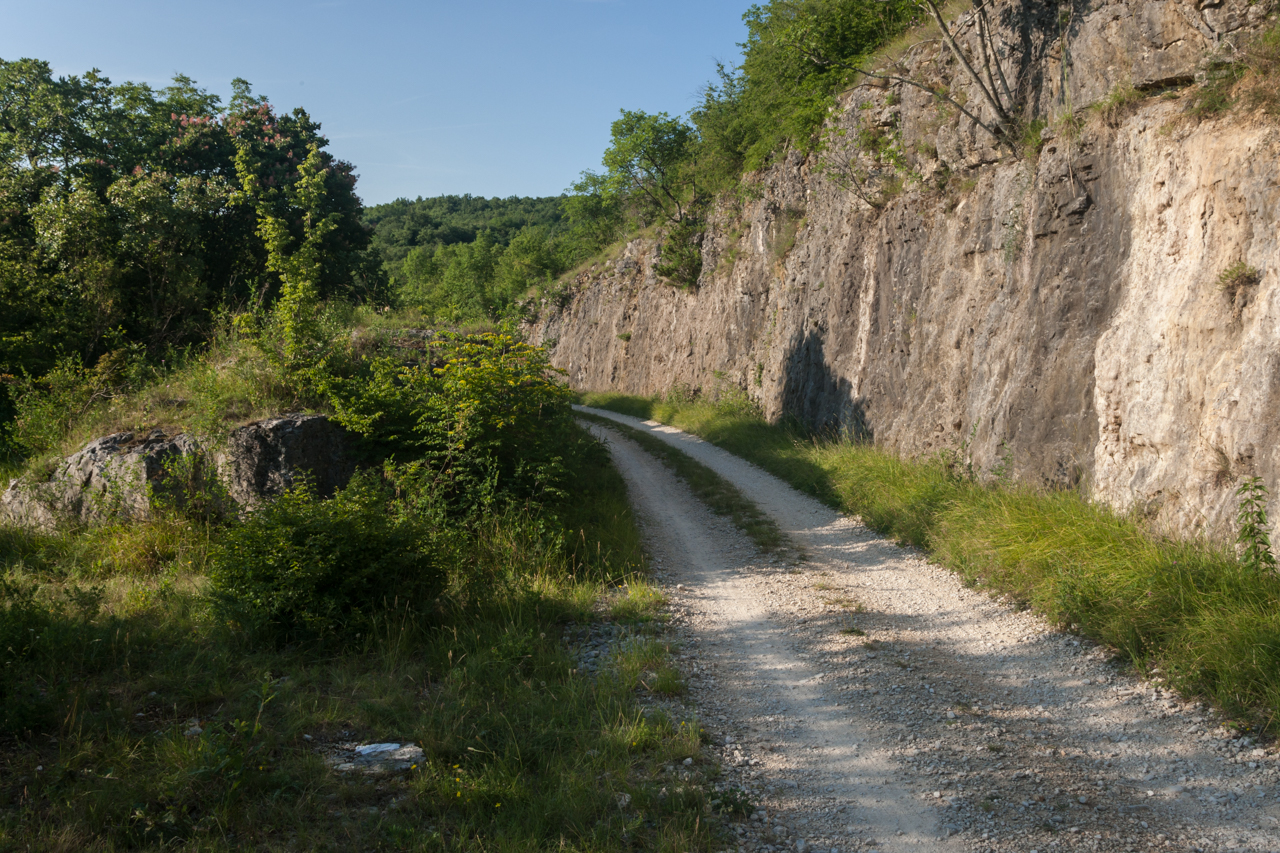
(122, 476)
(1058, 315)
(127, 477)
(269, 457)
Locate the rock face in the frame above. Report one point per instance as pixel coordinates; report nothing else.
(1059, 314)
(267, 458)
(123, 476)
(130, 477)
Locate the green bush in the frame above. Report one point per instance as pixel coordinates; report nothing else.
(484, 411)
(301, 567)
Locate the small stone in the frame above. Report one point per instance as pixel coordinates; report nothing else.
(306, 737)
(801, 845)
(194, 731)
(688, 762)
(1082, 800)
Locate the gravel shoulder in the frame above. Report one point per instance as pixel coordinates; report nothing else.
(872, 702)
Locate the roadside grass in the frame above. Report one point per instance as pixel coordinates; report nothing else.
(110, 659)
(717, 493)
(1187, 611)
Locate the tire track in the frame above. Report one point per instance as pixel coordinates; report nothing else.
(875, 703)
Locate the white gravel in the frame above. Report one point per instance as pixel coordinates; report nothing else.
(872, 702)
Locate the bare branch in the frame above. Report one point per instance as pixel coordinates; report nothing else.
(987, 95)
(989, 41)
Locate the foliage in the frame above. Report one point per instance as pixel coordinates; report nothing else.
(47, 408)
(659, 169)
(461, 259)
(483, 411)
(172, 732)
(1251, 518)
(648, 169)
(682, 253)
(124, 211)
(301, 567)
(403, 225)
(793, 64)
(1189, 608)
(1245, 77)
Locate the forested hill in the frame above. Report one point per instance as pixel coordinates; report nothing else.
(402, 225)
(464, 258)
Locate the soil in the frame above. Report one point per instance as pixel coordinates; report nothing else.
(867, 700)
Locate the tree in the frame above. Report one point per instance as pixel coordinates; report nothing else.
(648, 169)
(806, 36)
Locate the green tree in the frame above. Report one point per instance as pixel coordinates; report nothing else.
(798, 55)
(648, 167)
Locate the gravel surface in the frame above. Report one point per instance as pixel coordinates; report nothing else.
(869, 701)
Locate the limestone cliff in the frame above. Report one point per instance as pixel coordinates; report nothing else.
(1061, 311)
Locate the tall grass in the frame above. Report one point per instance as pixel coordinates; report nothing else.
(110, 661)
(1186, 608)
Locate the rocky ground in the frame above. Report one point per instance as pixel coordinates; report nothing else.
(868, 701)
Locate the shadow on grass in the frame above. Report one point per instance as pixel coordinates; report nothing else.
(133, 720)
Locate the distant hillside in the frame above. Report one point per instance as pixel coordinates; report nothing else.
(443, 220)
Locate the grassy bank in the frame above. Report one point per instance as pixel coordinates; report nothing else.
(112, 661)
(1188, 612)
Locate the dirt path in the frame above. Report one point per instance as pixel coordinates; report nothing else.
(871, 702)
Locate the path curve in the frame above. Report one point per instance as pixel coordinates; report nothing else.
(874, 702)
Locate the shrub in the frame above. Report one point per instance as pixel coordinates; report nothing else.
(301, 567)
(484, 411)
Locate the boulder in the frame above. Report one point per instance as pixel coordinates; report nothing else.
(122, 476)
(267, 458)
(131, 477)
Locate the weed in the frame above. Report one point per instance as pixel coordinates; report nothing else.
(1251, 518)
(624, 337)
(1237, 276)
(1118, 104)
(1236, 283)
(1031, 139)
(734, 801)
(782, 234)
(669, 682)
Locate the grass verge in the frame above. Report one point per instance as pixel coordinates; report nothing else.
(719, 495)
(1188, 611)
(130, 719)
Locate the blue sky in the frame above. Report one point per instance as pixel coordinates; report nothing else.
(490, 97)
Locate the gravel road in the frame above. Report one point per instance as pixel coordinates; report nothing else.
(870, 701)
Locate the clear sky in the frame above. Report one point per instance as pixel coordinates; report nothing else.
(488, 97)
